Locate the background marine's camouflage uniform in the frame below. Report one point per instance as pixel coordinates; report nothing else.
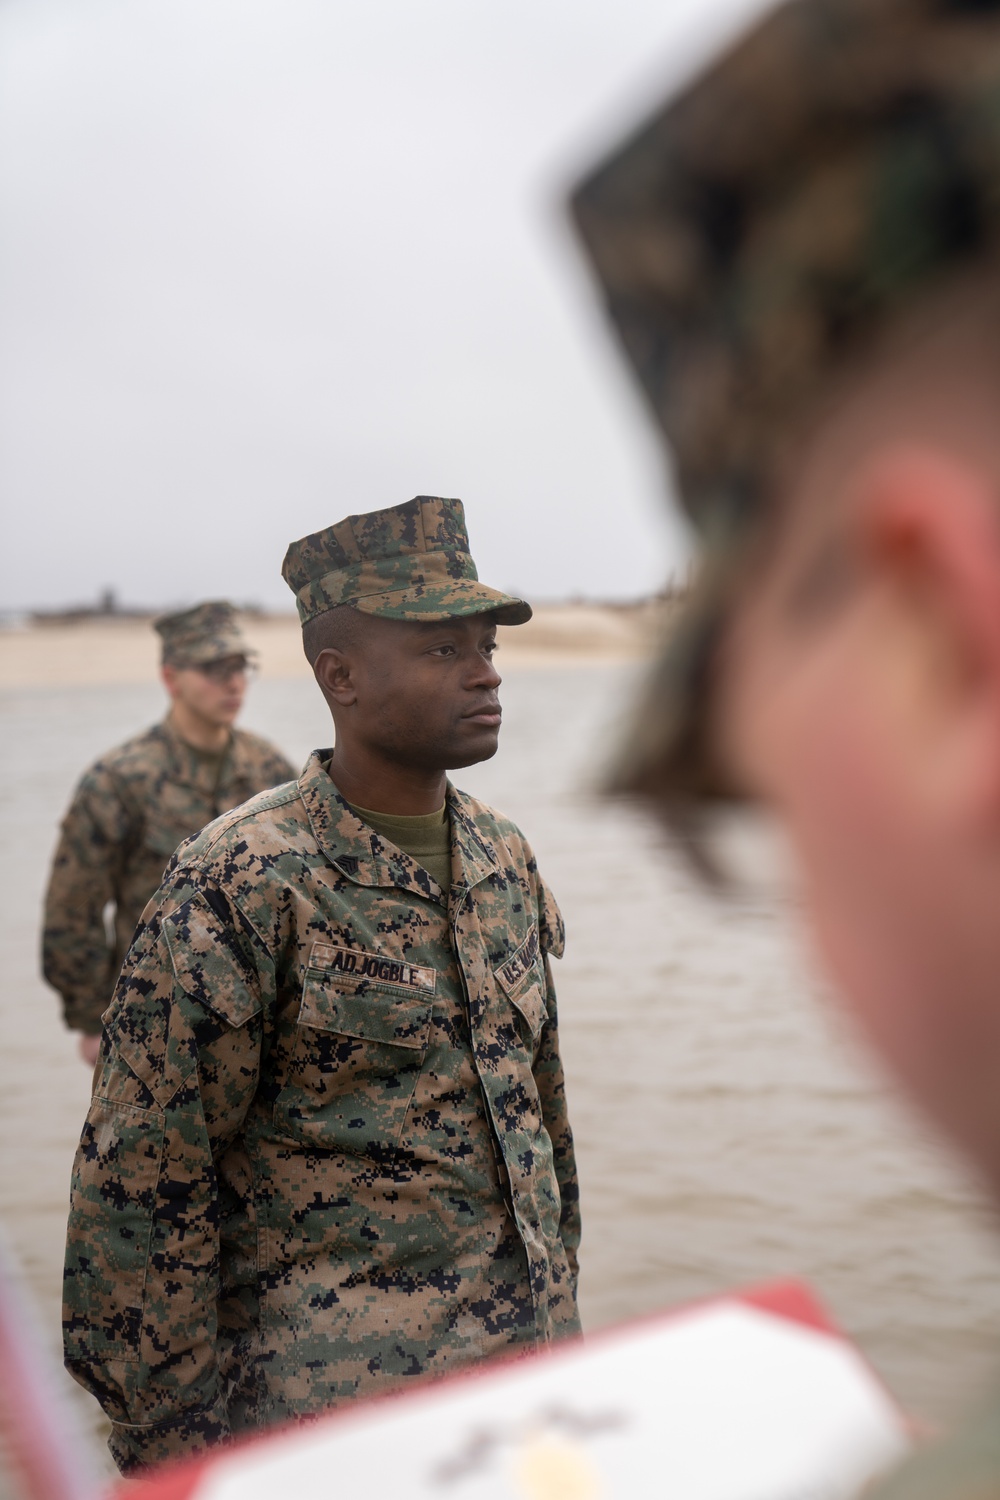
(129, 813)
(328, 1149)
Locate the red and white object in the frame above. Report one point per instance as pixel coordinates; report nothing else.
(751, 1397)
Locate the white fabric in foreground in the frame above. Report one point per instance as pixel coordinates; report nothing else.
(725, 1402)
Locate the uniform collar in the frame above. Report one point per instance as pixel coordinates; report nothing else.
(197, 768)
(368, 859)
(476, 858)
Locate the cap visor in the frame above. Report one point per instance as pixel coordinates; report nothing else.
(205, 657)
(437, 602)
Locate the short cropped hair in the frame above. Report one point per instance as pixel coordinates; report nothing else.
(334, 630)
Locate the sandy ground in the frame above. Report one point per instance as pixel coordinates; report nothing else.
(103, 651)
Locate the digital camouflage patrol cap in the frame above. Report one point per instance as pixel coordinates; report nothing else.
(409, 562)
(758, 234)
(194, 637)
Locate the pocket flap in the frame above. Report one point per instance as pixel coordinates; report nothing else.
(208, 965)
(365, 1011)
(531, 1004)
(512, 973)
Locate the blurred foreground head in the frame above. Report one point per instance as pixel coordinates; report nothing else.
(801, 256)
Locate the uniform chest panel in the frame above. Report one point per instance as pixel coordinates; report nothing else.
(355, 966)
(173, 812)
(175, 809)
(354, 942)
(355, 1006)
(360, 1044)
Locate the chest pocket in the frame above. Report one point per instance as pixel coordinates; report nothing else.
(531, 1007)
(520, 979)
(359, 1050)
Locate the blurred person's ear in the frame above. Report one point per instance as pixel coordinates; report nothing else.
(168, 676)
(929, 533)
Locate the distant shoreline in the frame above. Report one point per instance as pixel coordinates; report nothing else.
(104, 649)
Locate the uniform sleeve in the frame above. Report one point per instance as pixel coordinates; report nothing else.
(282, 770)
(271, 768)
(551, 1083)
(76, 958)
(178, 1071)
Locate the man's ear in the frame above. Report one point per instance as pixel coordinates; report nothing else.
(332, 670)
(929, 530)
(168, 676)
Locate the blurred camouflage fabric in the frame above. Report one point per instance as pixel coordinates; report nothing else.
(408, 562)
(757, 234)
(208, 632)
(769, 220)
(129, 813)
(328, 1150)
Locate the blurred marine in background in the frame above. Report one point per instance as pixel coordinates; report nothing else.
(138, 802)
(801, 256)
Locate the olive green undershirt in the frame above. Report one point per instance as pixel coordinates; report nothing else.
(426, 838)
(213, 761)
(211, 758)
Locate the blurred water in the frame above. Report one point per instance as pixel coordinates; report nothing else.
(728, 1131)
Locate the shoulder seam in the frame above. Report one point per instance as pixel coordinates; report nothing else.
(275, 797)
(231, 897)
(120, 762)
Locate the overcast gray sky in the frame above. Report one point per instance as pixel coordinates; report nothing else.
(267, 262)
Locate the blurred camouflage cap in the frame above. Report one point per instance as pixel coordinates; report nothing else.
(409, 562)
(208, 632)
(762, 230)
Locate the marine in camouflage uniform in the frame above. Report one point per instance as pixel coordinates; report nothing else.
(770, 236)
(130, 811)
(328, 1150)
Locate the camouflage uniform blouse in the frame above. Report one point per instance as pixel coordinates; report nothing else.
(328, 1149)
(127, 816)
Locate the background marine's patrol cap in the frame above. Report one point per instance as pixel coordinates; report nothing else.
(208, 632)
(758, 234)
(409, 562)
